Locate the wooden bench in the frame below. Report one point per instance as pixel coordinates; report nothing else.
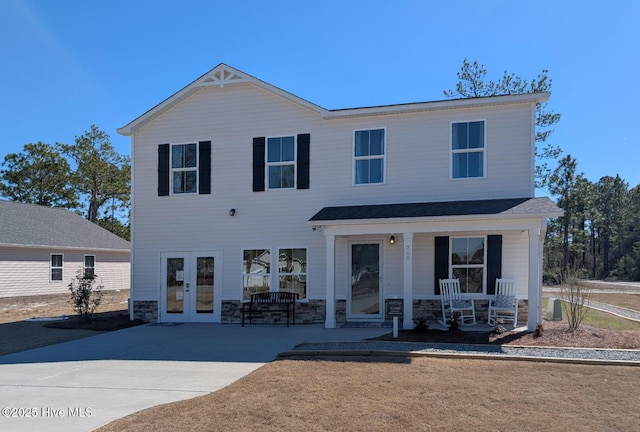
(287, 299)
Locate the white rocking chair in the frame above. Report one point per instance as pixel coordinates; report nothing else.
(453, 304)
(505, 303)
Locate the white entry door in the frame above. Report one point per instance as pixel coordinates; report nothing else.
(190, 287)
(364, 300)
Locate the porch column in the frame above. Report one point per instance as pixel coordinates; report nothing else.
(330, 317)
(535, 277)
(408, 280)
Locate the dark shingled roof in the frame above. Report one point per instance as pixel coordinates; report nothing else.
(34, 225)
(512, 206)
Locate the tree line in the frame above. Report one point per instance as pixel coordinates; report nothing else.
(89, 177)
(599, 234)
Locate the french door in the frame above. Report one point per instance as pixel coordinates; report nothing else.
(364, 300)
(190, 287)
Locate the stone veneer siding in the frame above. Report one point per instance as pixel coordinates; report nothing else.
(310, 312)
(314, 312)
(146, 310)
(431, 311)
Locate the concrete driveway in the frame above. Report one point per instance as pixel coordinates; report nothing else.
(86, 383)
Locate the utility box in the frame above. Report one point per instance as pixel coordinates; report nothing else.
(554, 309)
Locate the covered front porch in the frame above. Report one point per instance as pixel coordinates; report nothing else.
(386, 260)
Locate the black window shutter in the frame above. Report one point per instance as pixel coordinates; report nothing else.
(304, 141)
(163, 169)
(441, 261)
(259, 145)
(204, 167)
(494, 262)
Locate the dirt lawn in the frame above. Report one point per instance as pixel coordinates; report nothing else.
(17, 333)
(419, 394)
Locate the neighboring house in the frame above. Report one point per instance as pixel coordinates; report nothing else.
(43, 248)
(240, 187)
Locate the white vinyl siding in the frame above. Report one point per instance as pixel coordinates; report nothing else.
(417, 169)
(27, 271)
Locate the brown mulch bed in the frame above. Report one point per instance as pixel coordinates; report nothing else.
(556, 333)
(106, 321)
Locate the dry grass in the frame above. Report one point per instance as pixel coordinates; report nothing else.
(420, 394)
(14, 309)
(629, 301)
(18, 334)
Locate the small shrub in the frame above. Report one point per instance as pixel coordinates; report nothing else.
(575, 297)
(454, 324)
(538, 331)
(499, 327)
(421, 326)
(85, 295)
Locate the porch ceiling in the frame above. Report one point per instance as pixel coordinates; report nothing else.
(496, 208)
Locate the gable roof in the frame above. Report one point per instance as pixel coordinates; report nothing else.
(223, 74)
(33, 225)
(511, 207)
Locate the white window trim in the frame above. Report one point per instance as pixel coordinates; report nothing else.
(51, 267)
(452, 151)
(483, 266)
(306, 274)
(84, 264)
(357, 158)
(243, 274)
(196, 168)
(269, 164)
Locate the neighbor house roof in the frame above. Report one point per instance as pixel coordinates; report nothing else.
(224, 75)
(512, 207)
(33, 225)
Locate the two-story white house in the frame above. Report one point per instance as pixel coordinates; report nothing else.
(240, 187)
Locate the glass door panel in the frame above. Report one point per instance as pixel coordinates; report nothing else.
(204, 287)
(365, 281)
(175, 286)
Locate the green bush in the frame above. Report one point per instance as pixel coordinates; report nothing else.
(85, 294)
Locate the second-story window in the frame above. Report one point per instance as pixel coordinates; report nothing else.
(184, 168)
(467, 150)
(369, 156)
(281, 162)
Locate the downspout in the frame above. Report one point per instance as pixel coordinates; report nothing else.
(131, 234)
(543, 235)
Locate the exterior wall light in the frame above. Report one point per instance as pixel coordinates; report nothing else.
(392, 240)
(232, 212)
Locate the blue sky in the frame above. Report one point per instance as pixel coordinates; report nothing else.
(72, 63)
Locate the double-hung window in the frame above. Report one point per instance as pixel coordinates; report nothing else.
(89, 266)
(468, 150)
(369, 156)
(57, 263)
(184, 168)
(281, 162)
(468, 263)
(256, 269)
(292, 271)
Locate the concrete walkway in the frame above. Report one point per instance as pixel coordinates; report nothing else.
(86, 383)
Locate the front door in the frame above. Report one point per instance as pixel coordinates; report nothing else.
(190, 287)
(365, 295)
